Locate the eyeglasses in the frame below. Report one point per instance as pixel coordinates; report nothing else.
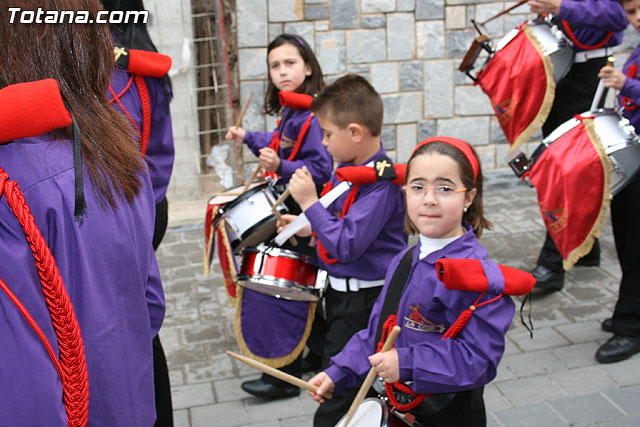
(441, 192)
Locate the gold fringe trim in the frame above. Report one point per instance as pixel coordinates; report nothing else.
(222, 229)
(276, 362)
(607, 166)
(206, 260)
(549, 95)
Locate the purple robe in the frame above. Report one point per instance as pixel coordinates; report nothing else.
(312, 153)
(426, 310)
(160, 151)
(631, 90)
(369, 236)
(593, 19)
(110, 272)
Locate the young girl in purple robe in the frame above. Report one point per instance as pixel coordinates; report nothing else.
(444, 205)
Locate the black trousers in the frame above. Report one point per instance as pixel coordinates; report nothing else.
(465, 410)
(574, 95)
(346, 313)
(164, 407)
(625, 215)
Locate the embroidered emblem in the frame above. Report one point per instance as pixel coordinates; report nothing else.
(384, 169)
(418, 322)
(504, 111)
(286, 142)
(118, 51)
(555, 219)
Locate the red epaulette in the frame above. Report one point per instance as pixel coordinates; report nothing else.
(294, 100)
(381, 170)
(469, 275)
(142, 62)
(31, 109)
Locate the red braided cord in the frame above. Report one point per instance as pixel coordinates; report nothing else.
(146, 113)
(75, 384)
(301, 136)
(351, 197)
(575, 41)
(126, 88)
(124, 110)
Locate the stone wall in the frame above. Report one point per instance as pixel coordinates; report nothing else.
(409, 50)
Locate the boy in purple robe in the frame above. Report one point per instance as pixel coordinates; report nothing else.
(103, 254)
(594, 26)
(625, 211)
(362, 230)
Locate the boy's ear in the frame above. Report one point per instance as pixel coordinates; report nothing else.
(356, 131)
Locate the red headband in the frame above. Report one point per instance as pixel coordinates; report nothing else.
(460, 145)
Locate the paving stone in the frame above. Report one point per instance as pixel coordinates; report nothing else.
(533, 363)
(181, 418)
(226, 414)
(577, 355)
(494, 400)
(185, 354)
(590, 408)
(219, 368)
(529, 391)
(267, 410)
(633, 421)
(576, 382)
(540, 415)
(625, 373)
(191, 395)
(542, 339)
(626, 398)
(581, 332)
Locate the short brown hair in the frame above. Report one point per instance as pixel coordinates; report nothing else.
(475, 214)
(351, 99)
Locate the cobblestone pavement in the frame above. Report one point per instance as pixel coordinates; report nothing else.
(550, 380)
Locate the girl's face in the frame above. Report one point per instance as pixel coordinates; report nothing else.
(437, 213)
(287, 69)
(632, 9)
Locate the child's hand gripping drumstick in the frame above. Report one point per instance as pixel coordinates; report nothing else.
(278, 374)
(371, 376)
(274, 208)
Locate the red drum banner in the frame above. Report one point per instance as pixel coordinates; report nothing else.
(216, 233)
(519, 82)
(572, 177)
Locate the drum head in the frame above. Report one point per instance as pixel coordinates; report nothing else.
(372, 412)
(230, 194)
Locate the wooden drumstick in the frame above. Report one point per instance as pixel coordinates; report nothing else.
(253, 176)
(371, 376)
(244, 110)
(287, 192)
(278, 374)
(292, 239)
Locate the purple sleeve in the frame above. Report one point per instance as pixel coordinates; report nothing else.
(606, 15)
(631, 90)
(155, 296)
(160, 152)
(468, 361)
(312, 154)
(257, 140)
(346, 239)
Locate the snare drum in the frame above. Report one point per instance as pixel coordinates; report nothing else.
(280, 273)
(249, 216)
(372, 412)
(619, 138)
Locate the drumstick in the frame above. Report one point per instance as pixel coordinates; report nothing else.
(244, 110)
(600, 89)
(278, 374)
(287, 192)
(292, 239)
(229, 193)
(253, 176)
(371, 376)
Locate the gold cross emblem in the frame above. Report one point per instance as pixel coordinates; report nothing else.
(381, 166)
(119, 51)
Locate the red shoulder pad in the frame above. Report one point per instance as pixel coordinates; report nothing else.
(469, 275)
(148, 64)
(360, 175)
(294, 100)
(31, 109)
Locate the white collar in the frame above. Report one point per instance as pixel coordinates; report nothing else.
(429, 245)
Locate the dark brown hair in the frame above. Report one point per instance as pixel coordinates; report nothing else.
(350, 99)
(312, 84)
(80, 57)
(475, 213)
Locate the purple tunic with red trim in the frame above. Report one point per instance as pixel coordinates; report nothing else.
(160, 151)
(312, 153)
(593, 20)
(365, 241)
(426, 311)
(110, 272)
(631, 90)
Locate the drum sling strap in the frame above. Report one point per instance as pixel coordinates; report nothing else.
(423, 406)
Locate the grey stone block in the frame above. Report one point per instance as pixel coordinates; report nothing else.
(497, 134)
(374, 6)
(252, 63)
(315, 12)
(361, 69)
(344, 14)
(404, 108)
(429, 9)
(373, 21)
(275, 29)
(406, 5)
(401, 44)
(304, 29)
(252, 16)
(410, 76)
(438, 87)
(388, 137)
(286, 10)
(426, 129)
(495, 28)
(471, 101)
(458, 42)
(474, 130)
(430, 41)
(331, 52)
(384, 77)
(366, 46)
(406, 142)
(591, 408)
